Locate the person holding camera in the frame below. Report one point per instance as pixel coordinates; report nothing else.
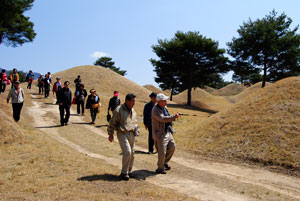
(162, 132)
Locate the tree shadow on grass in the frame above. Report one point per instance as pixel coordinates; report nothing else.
(37, 98)
(86, 123)
(101, 126)
(50, 104)
(103, 177)
(54, 126)
(140, 152)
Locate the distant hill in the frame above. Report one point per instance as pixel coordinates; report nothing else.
(203, 100)
(154, 89)
(229, 90)
(262, 128)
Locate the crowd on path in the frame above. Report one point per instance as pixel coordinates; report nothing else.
(156, 117)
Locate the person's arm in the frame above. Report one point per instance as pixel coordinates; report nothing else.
(85, 93)
(145, 116)
(113, 123)
(109, 105)
(161, 117)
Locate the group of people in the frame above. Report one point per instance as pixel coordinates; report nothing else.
(157, 120)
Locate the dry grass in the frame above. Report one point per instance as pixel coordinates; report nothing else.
(154, 89)
(229, 90)
(203, 100)
(262, 128)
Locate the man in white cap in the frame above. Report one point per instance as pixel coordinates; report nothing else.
(162, 133)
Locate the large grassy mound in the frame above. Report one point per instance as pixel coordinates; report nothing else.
(10, 132)
(203, 100)
(154, 89)
(229, 90)
(262, 128)
(104, 80)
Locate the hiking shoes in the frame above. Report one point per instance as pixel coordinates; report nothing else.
(167, 167)
(160, 171)
(124, 177)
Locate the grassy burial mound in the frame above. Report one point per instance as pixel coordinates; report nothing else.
(10, 132)
(263, 128)
(210, 89)
(203, 100)
(154, 89)
(104, 80)
(250, 91)
(229, 90)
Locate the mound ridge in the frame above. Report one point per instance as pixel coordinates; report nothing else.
(263, 128)
(104, 80)
(153, 89)
(203, 100)
(229, 90)
(250, 91)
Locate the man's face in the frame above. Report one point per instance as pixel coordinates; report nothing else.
(162, 103)
(66, 85)
(130, 103)
(153, 99)
(17, 85)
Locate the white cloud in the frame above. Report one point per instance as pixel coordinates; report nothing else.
(98, 54)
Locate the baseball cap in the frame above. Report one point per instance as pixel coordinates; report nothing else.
(161, 96)
(116, 93)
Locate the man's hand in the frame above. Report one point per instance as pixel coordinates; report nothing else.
(110, 138)
(7, 100)
(60, 103)
(146, 127)
(176, 115)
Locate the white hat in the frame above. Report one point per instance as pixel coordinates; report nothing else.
(161, 96)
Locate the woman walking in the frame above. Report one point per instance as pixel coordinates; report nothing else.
(93, 103)
(17, 96)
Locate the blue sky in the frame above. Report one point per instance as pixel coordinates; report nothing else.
(75, 32)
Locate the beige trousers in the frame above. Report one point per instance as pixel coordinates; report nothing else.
(165, 149)
(126, 141)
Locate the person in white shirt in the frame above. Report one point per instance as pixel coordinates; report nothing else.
(16, 94)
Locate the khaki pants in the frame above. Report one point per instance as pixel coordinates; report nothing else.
(126, 141)
(165, 149)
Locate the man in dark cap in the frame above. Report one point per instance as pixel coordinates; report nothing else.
(147, 120)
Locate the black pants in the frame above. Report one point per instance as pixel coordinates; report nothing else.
(47, 90)
(93, 113)
(64, 118)
(150, 140)
(29, 85)
(17, 107)
(41, 89)
(3, 87)
(78, 107)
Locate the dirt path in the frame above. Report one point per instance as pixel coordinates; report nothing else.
(203, 180)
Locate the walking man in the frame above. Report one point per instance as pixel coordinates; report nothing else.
(81, 94)
(41, 84)
(64, 98)
(57, 86)
(14, 76)
(114, 102)
(163, 133)
(29, 78)
(3, 81)
(77, 82)
(17, 98)
(148, 120)
(124, 121)
(47, 83)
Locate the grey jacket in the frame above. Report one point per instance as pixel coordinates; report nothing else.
(158, 122)
(15, 97)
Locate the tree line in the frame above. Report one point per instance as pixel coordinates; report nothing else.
(266, 49)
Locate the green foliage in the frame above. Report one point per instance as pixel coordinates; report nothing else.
(188, 60)
(107, 62)
(15, 28)
(267, 45)
(22, 75)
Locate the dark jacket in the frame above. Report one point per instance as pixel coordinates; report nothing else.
(91, 100)
(147, 114)
(80, 95)
(64, 96)
(114, 102)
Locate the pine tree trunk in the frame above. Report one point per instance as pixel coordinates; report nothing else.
(264, 76)
(171, 97)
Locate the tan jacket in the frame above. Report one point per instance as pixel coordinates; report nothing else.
(122, 120)
(158, 122)
(15, 97)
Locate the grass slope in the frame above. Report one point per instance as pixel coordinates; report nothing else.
(229, 90)
(263, 128)
(203, 100)
(154, 89)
